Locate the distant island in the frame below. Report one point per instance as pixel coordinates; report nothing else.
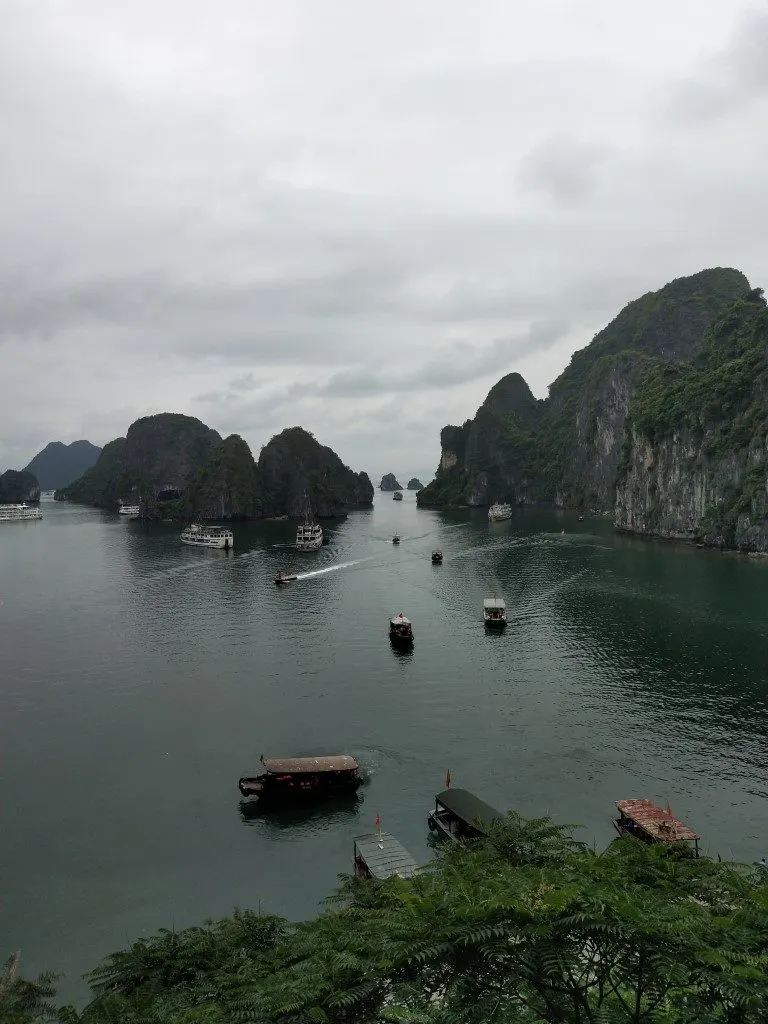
(389, 483)
(175, 467)
(59, 464)
(662, 419)
(19, 487)
(414, 484)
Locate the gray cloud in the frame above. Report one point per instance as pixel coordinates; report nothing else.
(264, 216)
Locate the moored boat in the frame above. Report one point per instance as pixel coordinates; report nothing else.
(495, 612)
(400, 629)
(642, 819)
(302, 778)
(459, 814)
(397, 496)
(498, 511)
(18, 513)
(200, 536)
(380, 855)
(437, 558)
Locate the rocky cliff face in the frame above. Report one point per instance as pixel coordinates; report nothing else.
(19, 487)
(58, 464)
(227, 486)
(414, 484)
(695, 461)
(389, 483)
(160, 453)
(293, 466)
(566, 449)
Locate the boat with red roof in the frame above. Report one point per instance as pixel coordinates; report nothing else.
(642, 819)
(290, 778)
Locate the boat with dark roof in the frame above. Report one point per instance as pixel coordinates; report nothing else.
(380, 855)
(302, 778)
(642, 819)
(459, 814)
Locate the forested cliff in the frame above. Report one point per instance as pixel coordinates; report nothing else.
(662, 416)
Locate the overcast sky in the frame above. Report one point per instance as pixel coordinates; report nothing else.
(353, 216)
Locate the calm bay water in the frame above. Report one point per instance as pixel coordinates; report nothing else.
(140, 678)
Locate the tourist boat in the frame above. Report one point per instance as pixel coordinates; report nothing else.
(201, 536)
(437, 558)
(396, 539)
(397, 496)
(16, 513)
(309, 536)
(132, 511)
(642, 819)
(284, 577)
(459, 814)
(499, 511)
(380, 855)
(495, 612)
(400, 629)
(302, 778)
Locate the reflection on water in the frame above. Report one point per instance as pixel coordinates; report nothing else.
(140, 673)
(328, 812)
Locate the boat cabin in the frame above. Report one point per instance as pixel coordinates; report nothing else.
(302, 777)
(642, 819)
(437, 558)
(459, 814)
(380, 855)
(494, 611)
(396, 539)
(400, 629)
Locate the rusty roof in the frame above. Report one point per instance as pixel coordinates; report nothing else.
(657, 822)
(297, 765)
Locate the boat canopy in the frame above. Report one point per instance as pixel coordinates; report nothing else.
(494, 602)
(400, 620)
(307, 765)
(468, 807)
(658, 823)
(384, 856)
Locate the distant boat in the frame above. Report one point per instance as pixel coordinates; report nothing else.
(495, 612)
(499, 511)
(396, 539)
(397, 496)
(132, 511)
(17, 513)
(437, 558)
(201, 536)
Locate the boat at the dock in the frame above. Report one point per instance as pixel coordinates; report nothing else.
(397, 496)
(498, 511)
(400, 629)
(459, 814)
(201, 536)
(495, 612)
(302, 778)
(18, 513)
(380, 855)
(285, 577)
(437, 558)
(132, 511)
(642, 819)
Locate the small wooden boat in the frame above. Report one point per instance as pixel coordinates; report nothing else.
(642, 819)
(397, 496)
(400, 630)
(284, 577)
(302, 778)
(459, 814)
(380, 855)
(396, 539)
(495, 612)
(437, 558)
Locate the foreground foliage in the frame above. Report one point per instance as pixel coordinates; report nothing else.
(529, 927)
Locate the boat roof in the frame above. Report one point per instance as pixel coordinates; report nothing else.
(298, 765)
(656, 821)
(467, 806)
(494, 602)
(384, 856)
(400, 620)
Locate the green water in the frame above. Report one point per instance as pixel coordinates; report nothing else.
(140, 678)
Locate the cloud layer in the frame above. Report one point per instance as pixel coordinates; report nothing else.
(352, 216)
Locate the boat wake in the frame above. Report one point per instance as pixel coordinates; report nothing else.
(330, 568)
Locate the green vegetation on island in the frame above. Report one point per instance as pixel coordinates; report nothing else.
(18, 486)
(389, 482)
(414, 484)
(58, 464)
(527, 927)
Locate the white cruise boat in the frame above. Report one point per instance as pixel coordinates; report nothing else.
(132, 511)
(498, 511)
(309, 536)
(201, 536)
(14, 513)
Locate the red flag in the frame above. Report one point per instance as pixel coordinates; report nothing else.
(669, 810)
(448, 779)
(377, 823)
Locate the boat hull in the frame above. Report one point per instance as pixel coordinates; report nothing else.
(307, 791)
(495, 623)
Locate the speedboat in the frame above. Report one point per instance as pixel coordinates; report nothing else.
(284, 577)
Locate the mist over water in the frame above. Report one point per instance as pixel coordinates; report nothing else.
(141, 678)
